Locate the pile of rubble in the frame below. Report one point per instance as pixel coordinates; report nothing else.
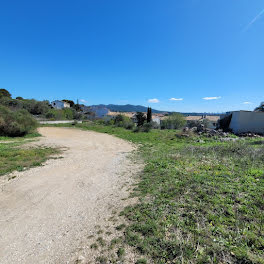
(202, 130)
(253, 135)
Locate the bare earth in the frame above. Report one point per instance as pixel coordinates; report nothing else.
(47, 212)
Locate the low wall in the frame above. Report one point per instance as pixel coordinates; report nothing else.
(58, 122)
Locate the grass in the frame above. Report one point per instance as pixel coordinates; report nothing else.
(198, 202)
(14, 157)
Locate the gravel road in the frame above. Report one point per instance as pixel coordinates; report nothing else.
(47, 212)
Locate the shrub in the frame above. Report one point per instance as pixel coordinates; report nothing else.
(63, 114)
(225, 122)
(141, 118)
(146, 127)
(123, 121)
(14, 124)
(34, 107)
(193, 123)
(174, 121)
(136, 129)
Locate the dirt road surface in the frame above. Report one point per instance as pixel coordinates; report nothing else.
(47, 212)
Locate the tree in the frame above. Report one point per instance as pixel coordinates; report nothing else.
(4, 93)
(149, 115)
(141, 118)
(174, 121)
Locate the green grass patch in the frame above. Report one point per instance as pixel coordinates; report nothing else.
(14, 157)
(198, 202)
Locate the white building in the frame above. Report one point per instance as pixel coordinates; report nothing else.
(60, 104)
(156, 119)
(247, 122)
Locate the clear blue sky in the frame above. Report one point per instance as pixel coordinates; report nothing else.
(130, 51)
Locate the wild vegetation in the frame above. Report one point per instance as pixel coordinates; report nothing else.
(41, 109)
(16, 123)
(198, 202)
(14, 157)
(174, 121)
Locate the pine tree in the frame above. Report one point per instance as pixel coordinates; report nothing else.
(149, 115)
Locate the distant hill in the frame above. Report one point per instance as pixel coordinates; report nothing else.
(140, 108)
(128, 108)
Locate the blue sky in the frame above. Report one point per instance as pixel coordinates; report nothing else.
(133, 51)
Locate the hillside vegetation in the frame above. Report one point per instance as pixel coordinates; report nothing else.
(198, 202)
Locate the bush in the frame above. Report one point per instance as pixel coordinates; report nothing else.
(34, 107)
(193, 123)
(141, 118)
(174, 121)
(14, 124)
(146, 127)
(123, 121)
(63, 114)
(225, 122)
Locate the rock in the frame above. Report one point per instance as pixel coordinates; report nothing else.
(228, 139)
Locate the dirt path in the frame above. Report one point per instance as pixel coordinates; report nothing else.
(47, 212)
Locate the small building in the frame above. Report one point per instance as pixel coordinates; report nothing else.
(156, 119)
(57, 104)
(247, 122)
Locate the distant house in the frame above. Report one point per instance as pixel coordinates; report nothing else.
(156, 119)
(57, 104)
(246, 122)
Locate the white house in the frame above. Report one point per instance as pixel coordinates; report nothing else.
(60, 104)
(156, 119)
(247, 122)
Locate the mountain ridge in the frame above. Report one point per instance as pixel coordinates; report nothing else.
(140, 108)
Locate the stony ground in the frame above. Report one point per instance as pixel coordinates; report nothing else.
(49, 213)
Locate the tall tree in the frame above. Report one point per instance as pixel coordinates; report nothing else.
(149, 115)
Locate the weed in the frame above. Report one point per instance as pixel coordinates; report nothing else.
(14, 157)
(120, 227)
(120, 253)
(94, 246)
(141, 261)
(101, 260)
(101, 241)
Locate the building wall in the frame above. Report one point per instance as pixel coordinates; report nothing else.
(244, 122)
(60, 104)
(156, 120)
